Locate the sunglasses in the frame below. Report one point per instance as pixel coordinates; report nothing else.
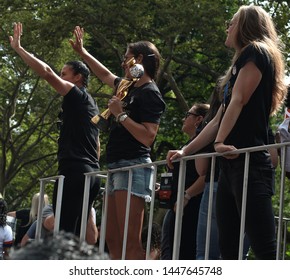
(187, 114)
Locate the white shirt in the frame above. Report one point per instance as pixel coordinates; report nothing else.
(6, 238)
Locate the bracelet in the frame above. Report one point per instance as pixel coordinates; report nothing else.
(119, 116)
(217, 142)
(187, 196)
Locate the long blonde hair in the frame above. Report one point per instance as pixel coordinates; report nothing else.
(34, 206)
(256, 27)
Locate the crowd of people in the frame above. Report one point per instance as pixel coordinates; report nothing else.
(252, 89)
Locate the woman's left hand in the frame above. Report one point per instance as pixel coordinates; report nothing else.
(77, 45)
(223, 149)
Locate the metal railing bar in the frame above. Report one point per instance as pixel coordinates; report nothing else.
(281, 200)
(104, 217)
(127, 214)
(210, 208)
(179, 210)
(244, 204)
(151, 212)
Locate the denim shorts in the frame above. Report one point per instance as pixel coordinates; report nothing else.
(142, 178)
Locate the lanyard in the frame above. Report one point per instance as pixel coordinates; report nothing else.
(225, 95)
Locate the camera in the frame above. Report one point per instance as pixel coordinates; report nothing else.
(165, 190)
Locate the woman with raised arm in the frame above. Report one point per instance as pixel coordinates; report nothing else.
(78, 143)
(135, 124)
(253, 89)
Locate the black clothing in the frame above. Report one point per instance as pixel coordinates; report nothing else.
(22, 227)
(251, 128)
(77, 140)
(142, 104)
(77, 154)
(187, 249)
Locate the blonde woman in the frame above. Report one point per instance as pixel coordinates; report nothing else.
(253, 88)
(27, 217)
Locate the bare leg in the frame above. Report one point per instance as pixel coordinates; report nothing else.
(115, 226)
(113, 234)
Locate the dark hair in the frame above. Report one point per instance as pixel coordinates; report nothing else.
(151, 56)
(3, 212)
(79, 67)
(63, 246)
(201, 109)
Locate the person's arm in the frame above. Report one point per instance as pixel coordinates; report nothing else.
(144, 132)
(39, 67)
(201, 165)
(102, 72)
(92, 230)
(274, 156)
(12, 214)
(24, 240)
(247, 81)
(48, 222)
(30, 234)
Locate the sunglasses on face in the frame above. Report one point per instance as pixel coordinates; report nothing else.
(187, 114)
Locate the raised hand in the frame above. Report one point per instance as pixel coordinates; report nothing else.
(15, 39)
(77, 44)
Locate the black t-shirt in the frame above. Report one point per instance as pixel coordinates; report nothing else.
(22, 217)
(142, 104)
(78, 136)
(251, 127)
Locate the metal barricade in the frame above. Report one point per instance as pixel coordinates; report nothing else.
(179, 209)
(43, 182)
(282, 222)
(247, 151)
(283, 240)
